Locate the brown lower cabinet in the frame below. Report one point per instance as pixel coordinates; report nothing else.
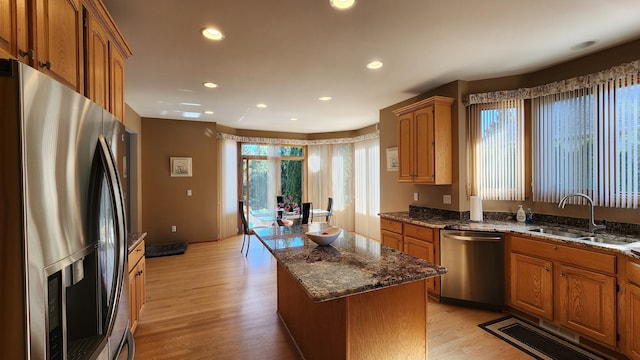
(633, 309)
(570, 287)
(136, 283)
(419, 241)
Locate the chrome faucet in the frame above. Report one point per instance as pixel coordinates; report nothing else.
(592, 224)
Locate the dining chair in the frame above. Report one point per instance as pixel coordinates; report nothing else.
(246, 230)
(329, 206)
(306, 210)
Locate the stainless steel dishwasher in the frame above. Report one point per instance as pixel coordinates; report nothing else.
(475, 264)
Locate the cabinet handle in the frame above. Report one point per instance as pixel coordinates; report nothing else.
(46, 65)
(26, 54)
(555, 247)
(563, 274)
(546, 269)
(138, 249)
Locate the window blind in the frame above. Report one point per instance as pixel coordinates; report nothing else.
(496, 150)
(587, 140)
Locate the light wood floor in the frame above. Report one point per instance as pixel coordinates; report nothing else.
(213, 303)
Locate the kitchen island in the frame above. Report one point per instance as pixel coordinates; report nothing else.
(354, 299)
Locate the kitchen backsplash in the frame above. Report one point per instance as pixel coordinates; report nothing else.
(421, 212)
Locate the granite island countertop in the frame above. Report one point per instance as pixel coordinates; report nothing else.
(351, 265)
(521, 229)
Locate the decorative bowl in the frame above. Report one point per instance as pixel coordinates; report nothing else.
(324, 237)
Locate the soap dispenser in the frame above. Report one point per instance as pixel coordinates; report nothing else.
(520, 215)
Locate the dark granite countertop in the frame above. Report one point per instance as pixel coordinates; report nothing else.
(352, 264)
(133, 239)
(628, 242)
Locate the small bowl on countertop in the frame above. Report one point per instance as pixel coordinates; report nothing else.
(324, 237)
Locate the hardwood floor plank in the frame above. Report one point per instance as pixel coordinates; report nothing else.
(214, 303)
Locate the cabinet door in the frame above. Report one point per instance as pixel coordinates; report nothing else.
(633, 321)
(8, 27)
(58, 30)
(532, 285)
(140, 284)
(423, 250)
(14, 32)
(133, 306)
(391, 240)
(405, 148)
(424, 146)
(587, 303)
(97, 85)
(116, 74)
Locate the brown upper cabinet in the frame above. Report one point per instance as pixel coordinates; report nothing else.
(105, 52)
(45, 34)
(424, 141)
(51, 36)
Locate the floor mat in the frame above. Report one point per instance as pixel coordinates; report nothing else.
(164, 250)
(535, 341)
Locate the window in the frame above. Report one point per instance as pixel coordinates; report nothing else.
(588, 141)
(496, 142)
(268, 171)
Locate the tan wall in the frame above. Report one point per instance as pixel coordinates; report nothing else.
(134, 128)
(397, 197)
(164, 198)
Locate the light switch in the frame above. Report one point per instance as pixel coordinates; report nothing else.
(188, 192)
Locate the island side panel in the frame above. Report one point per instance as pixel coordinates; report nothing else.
(318, 329)
(389, 323)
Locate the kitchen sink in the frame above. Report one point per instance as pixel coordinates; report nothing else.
(590, 238)
(602, 240)
(556, 232)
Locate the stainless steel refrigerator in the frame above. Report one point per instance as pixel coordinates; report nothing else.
(63, 251)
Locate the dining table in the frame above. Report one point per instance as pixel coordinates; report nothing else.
(352, 299)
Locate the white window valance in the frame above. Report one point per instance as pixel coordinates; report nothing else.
(579, 82)
(280, 141)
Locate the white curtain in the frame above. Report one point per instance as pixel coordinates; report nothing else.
(367, 188)
(228, 189)
(330, 174)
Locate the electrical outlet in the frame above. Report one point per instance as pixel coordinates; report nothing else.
(189, 193)
(446, 199)
(173, 228)
(415, 196)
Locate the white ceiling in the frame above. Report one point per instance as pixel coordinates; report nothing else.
(287, 53)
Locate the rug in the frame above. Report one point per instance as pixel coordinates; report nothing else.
(535, 341)
(151, 251)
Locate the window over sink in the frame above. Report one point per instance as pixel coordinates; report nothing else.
(585, 137)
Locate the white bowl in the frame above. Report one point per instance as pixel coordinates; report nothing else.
(324, 237)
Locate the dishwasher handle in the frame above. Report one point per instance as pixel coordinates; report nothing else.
(474, 238)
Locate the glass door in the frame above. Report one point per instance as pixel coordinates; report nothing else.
(259, 184)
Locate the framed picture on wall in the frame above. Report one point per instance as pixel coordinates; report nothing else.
(392, 159)
(180, 166)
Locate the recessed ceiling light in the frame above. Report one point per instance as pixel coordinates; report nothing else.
(342, 4)
(261, 106)
(294, 119)
(209, 112)
(583, 45)
(209, 85)
(374, 65)
(325, 98)
(212, 34)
